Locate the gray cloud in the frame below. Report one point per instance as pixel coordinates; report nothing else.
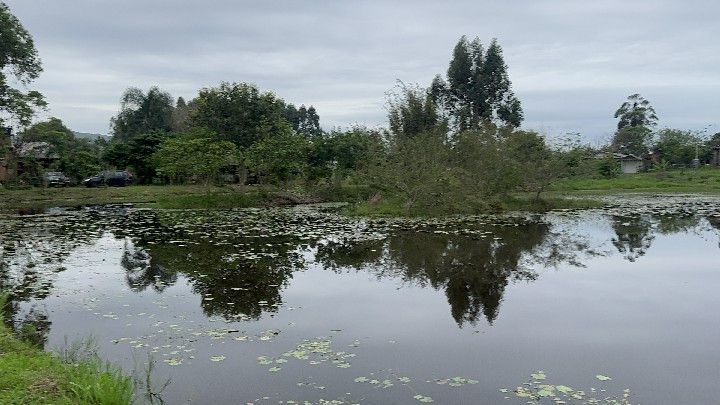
(572, 62)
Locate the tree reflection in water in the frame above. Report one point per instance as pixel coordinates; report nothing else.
(238, 261)
(472, 270)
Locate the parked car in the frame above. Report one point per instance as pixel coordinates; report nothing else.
(115, 178)
(56, 179)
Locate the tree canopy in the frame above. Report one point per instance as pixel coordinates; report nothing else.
(19, 61)
(478, 90)
(636, 112)
(142, 112)
(239, 113)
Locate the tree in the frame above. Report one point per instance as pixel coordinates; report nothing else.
(304, 120)
(195, 155)
(52, 131)
(478, 89)
(18, 59)
(411, 111)
(77, 158)
(460, 84)
(239, 113)
(181, 114)
(142, 148)
(142, 113)
(636, 112)
(309, 123)
(280, 158)
(678, 147)
(417, 171)
(537, 165)
(632, 140)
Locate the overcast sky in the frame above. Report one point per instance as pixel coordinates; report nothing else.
(571, 62)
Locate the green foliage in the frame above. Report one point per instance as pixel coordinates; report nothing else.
(478, 89)
(78, 158)
(694, 180)
(608, 168)
(418, 171)
(484, 168)
(678, 147)
(142, 113)
(304, 121)
(239, 113)
(19, 59)
(195, 155)
(136, 154)
(181, 115)
(31, 376)
(280, 158)
(412, 111)
(427, 174)
(632, 140)
(340, 154)
(636, 112)
(537, 166)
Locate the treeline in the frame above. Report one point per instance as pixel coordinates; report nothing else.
(454, 145)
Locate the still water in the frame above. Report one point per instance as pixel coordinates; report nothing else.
(270, 306)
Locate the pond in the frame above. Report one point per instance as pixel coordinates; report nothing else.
(304, 304)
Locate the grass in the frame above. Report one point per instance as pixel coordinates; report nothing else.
(29, 375)
(184, 196)
(704, 180)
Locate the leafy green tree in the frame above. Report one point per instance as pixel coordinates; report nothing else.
(634, 140)
(484, 167)
(304, 120)
(195, 155)
(341, 154)
(537, 165)
(279, 158)
(417, 170)
(142, 113)
(461, 83)
(608, 167)
(412, 111)
(239, 113)
(478, 88)
(678, 147)
(77, 158)
(636, 112)
(136, 155)
(52, 131)
(19, 60)
(181, 114)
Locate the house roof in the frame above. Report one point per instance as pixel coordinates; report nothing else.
(630, 156)
(617, 156)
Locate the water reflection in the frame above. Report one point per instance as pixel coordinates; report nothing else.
(239, 262)
(634, 235)
(472, 270)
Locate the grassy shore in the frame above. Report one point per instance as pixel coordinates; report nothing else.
(29, 375)
(704, 180)
(568, 193)
(185, 196)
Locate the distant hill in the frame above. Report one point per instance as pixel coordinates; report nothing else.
(87, 135)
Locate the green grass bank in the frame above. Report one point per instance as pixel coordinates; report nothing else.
(703, 180)
(29, 375)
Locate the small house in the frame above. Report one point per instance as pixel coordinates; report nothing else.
(629, 163)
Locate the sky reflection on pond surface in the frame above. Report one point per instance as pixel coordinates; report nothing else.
(301, 304)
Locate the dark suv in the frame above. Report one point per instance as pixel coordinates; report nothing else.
(56, 179)
(116, 178)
